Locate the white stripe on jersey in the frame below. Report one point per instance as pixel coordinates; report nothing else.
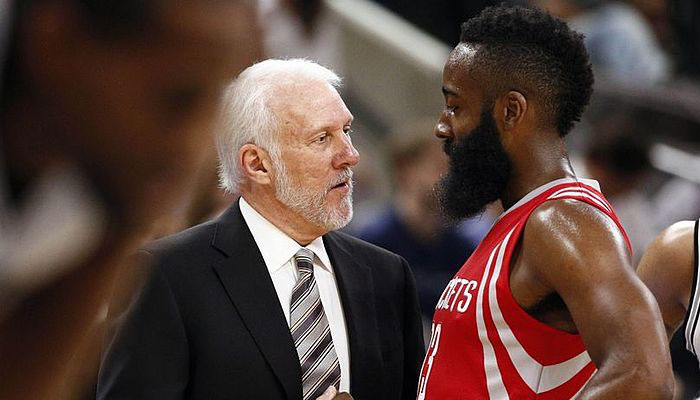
(494, 381)
(692, 338)
(547, 186)
(581, 192)
(538, 377)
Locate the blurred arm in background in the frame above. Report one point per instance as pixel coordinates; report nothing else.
(106, 108)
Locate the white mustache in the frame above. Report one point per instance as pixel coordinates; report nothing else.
(345, 176)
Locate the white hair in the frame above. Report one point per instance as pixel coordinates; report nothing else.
(246, 115)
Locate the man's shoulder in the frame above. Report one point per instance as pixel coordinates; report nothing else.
(679, 236)
(676, 246)
(389, 270)
(670, 258)
(357, 246)
(554, 217)
(190, 240)
(573, 233)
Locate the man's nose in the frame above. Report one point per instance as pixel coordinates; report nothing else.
(442, 129)
(348, 156)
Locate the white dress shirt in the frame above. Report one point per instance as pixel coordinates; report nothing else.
(278, 251)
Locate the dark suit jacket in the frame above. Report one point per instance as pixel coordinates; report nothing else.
(208, 324)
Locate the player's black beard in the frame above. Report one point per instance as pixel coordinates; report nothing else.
(479, 170)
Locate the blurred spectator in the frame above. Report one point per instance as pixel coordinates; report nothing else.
(620, 163)
(619, 155)
(621, 44)
(105, 111)
(412, 226)
(209, 199)
(441, 19)
(205, 200)
(685, 24)
(300, 28)
(656, 14)
(307, 12)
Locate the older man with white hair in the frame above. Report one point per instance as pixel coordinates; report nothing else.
(267, 301)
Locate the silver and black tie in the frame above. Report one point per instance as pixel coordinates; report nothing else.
(312, 335)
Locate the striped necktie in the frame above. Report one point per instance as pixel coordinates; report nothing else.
(312, 335)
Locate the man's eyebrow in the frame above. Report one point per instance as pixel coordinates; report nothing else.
(449, 92)
(330, 126)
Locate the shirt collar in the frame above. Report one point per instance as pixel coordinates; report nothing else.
(276, 247)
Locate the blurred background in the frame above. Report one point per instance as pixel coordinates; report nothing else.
(640, 137)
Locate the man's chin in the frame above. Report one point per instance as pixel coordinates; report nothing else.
(340, 215)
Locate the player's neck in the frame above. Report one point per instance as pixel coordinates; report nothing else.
(536, 167)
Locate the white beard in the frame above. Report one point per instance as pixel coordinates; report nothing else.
(311, 204)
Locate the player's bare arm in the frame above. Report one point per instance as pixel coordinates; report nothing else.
(573, 251)
(667, 270)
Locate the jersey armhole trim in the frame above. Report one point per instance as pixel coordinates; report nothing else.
(693, 292)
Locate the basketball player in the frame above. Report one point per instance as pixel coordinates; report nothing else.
(106, 105)
(548, 306)
(669, 268)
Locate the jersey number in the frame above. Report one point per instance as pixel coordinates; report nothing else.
(428, 364)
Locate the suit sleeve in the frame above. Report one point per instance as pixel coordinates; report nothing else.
(414, 346)
(148, 357)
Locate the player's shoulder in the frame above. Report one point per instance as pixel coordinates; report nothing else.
(667, 268)
(572, 219)
(678, 236)
(672, 250)
(575, 235)
(675, 244)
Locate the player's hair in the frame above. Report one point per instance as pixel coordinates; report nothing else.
(246, 115)
(528, 50)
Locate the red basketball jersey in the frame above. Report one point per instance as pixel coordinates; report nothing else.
(483, 344)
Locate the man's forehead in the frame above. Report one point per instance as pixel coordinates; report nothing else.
(458, 73)
(301, 96)
(463, 54)
(311, 108)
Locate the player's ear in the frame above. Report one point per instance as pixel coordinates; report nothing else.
(511, 109)
(255, 163)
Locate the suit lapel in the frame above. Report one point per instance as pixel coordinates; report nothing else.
(246, 279)
(357, 296)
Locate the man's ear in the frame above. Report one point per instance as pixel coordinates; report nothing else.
(511, 109)
(255, 163)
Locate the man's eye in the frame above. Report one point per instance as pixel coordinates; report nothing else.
(348, 131)
(322, 138)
